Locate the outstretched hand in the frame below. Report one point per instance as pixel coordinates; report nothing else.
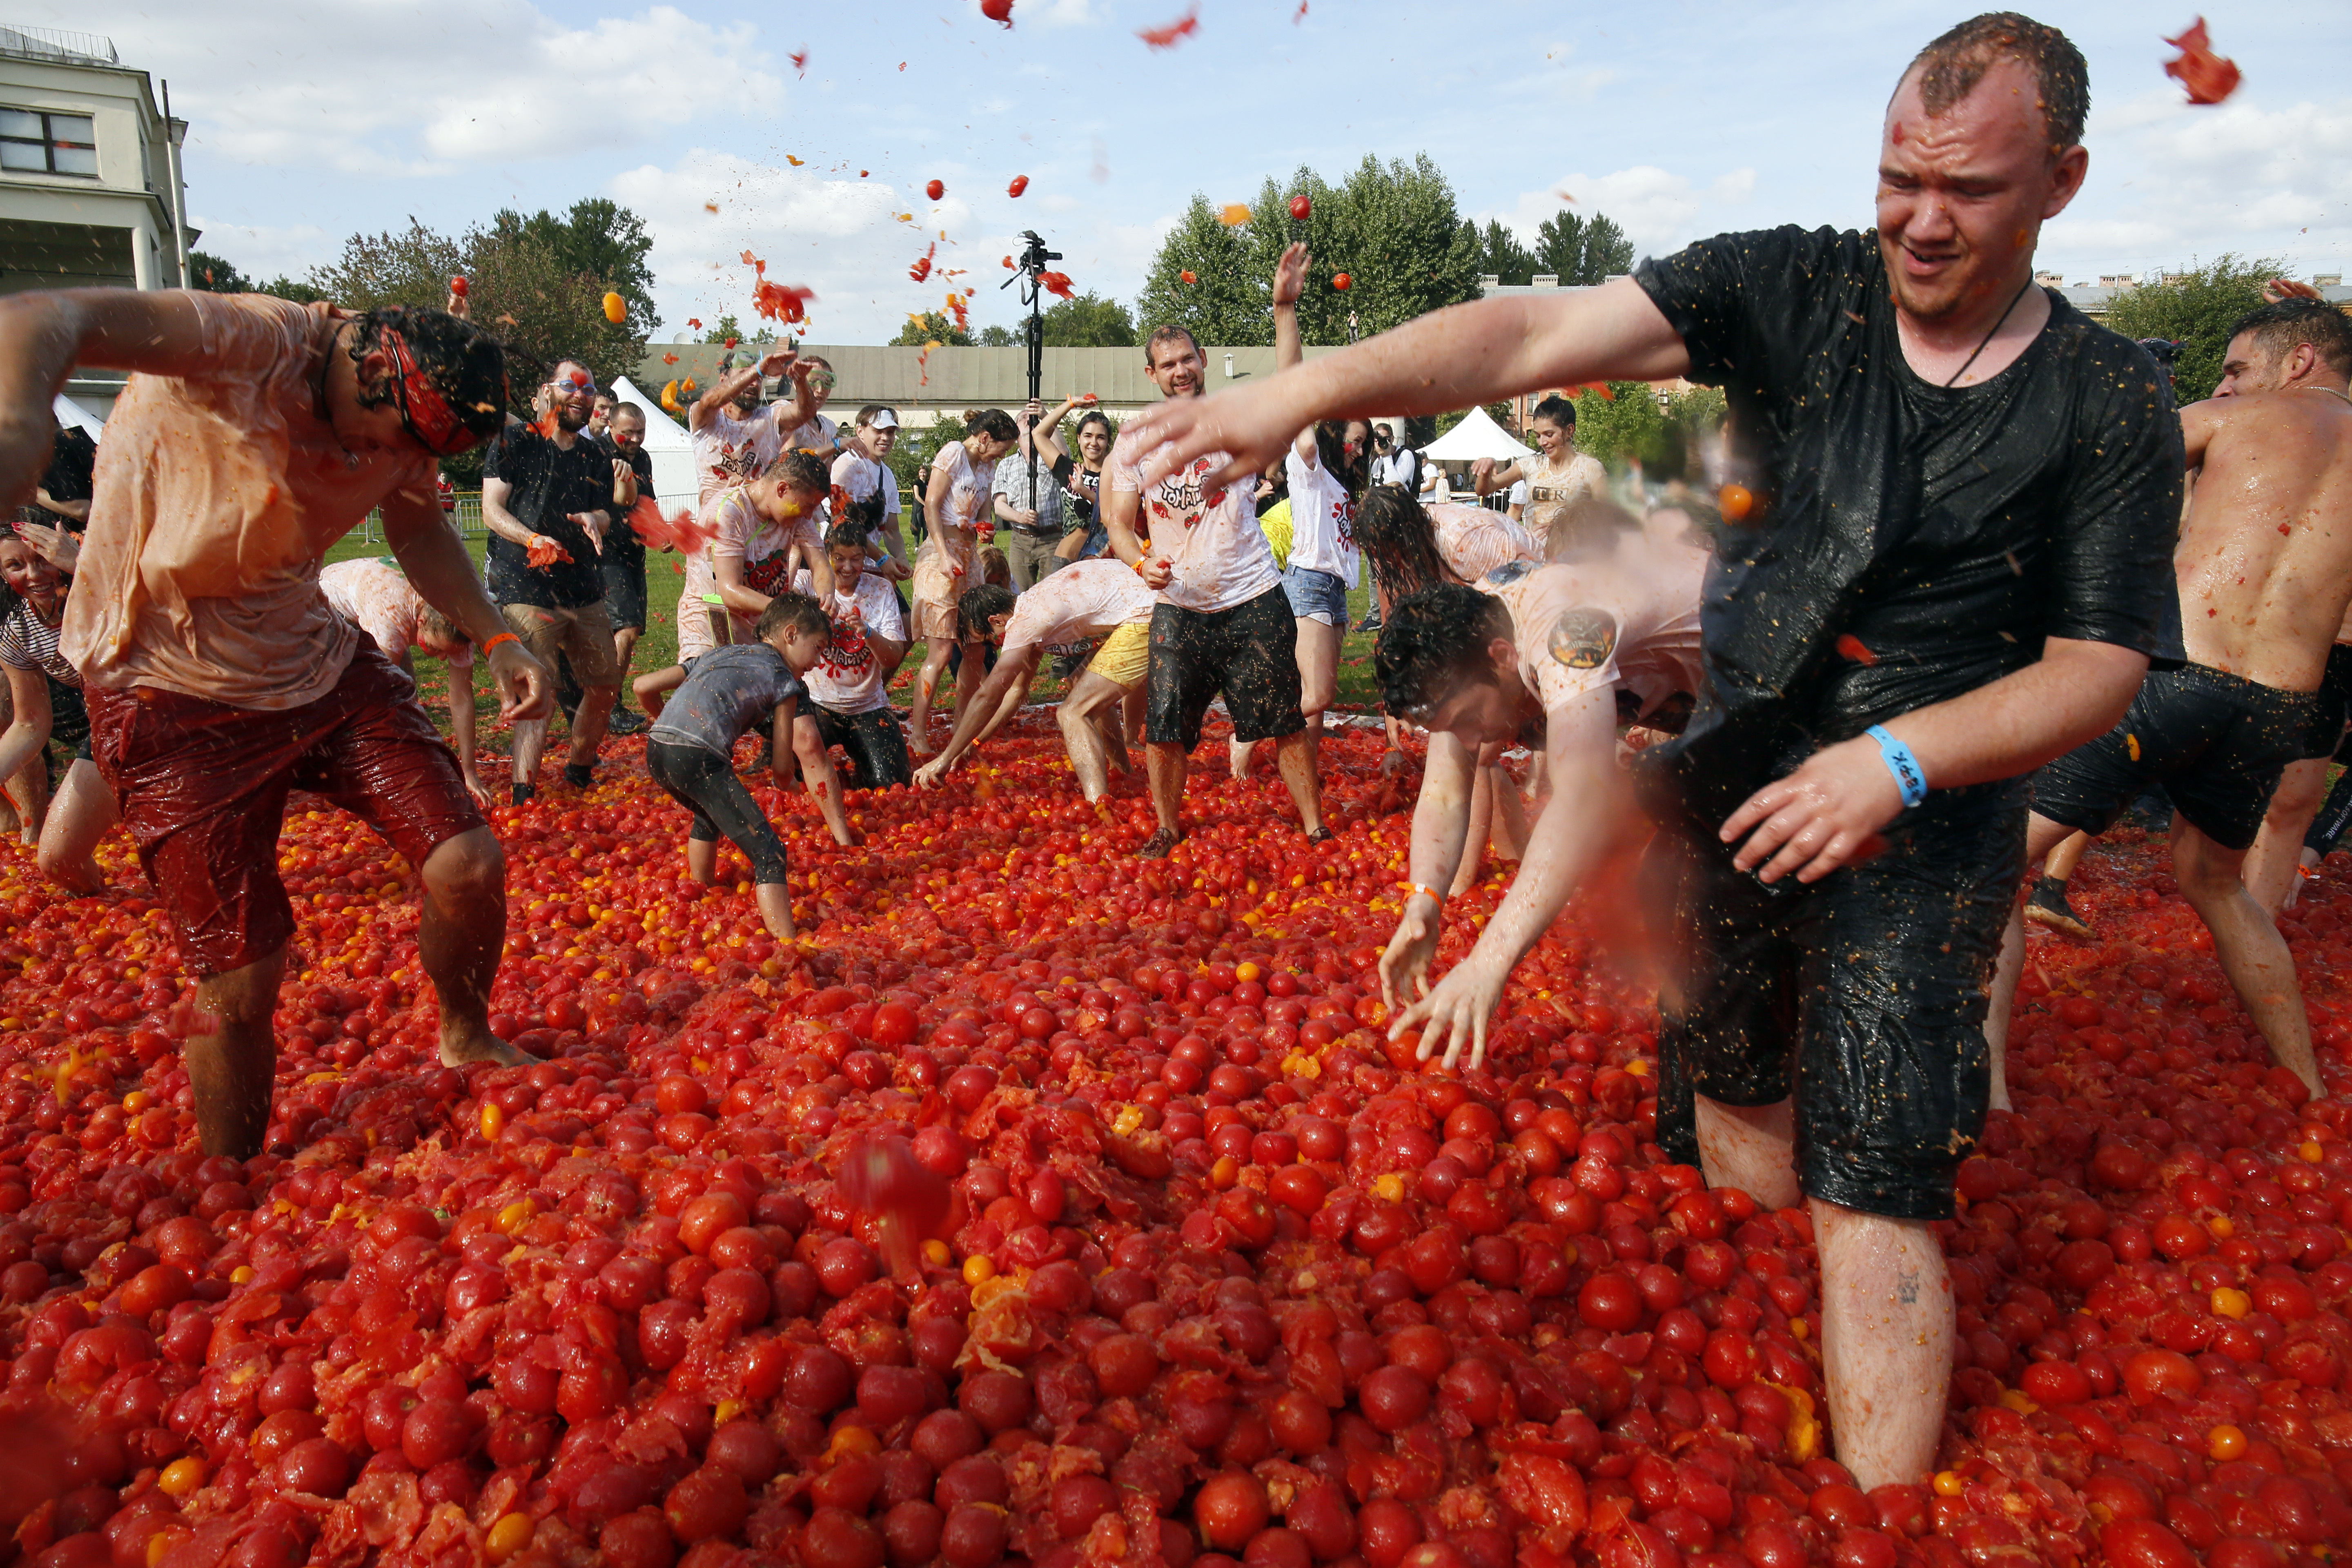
(1252, 425)
(1290, 274)
(2278, 290)
(525, 690)
(1826, 815)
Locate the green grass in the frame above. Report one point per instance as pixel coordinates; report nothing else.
(658, 647)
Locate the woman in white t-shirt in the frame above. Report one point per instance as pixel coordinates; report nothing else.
(45, 690)
(957, 505)
(1327, 468)
(1557, 479)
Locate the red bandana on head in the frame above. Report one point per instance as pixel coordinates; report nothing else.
(423, 412)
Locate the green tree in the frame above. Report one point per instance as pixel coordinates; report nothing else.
(932, 327)
(996, 336)
(598, 238)
(2196, 309)
(212, 273)
(1500, 254)
(1222, 302)
(727, 329)
(409, 268)
(1087, 321)
(1582, 250)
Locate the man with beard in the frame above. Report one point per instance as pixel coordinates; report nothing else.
(1956, 570)
(547, 501)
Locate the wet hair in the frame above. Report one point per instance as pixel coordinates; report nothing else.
(1400, 542)
(993, 567)
(1950, 68)
(440, 627)
(799, 470)
(2280, 328)
(1586, 528)
(1435, 643)
(1560, 411)
(1331, 451)
(2163, 351)
(977, 607)
(846, 536)
(993, 423)
(1166, 334)
(465, 364)
(792, 613)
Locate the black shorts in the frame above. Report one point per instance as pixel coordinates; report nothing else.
(876, 748)
(2217, 743)
(1862, 995)
(624, 592)
(1249, 653)
(2335, 703)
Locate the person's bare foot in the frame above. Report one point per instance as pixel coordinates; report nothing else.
(465, 1050)
(1157, 846)
(1239, 753)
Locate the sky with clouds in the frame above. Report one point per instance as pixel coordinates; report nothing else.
(803, 131)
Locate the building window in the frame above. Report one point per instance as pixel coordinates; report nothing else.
(35, 141)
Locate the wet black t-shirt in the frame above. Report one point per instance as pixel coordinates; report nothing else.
(70, 476)
(549, 483)
(621, 543)
(1910, 542)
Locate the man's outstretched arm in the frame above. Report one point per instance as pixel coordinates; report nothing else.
(44, 335)
(1456, 358)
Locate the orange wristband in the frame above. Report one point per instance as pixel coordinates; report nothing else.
(502, 637)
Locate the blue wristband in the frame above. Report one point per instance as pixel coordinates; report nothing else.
(1909, 776)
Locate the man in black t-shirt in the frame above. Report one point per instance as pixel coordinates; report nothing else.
(68, 483)
(547, 500)
(1954, 568)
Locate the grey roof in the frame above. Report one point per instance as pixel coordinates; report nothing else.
(960, 378)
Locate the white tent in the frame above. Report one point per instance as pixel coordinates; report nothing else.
(1477, 436)
(668, 443)
(73, 415)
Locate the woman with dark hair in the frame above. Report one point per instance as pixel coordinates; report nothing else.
(1556, 478)
(1327, 468)
(45, 699)
(956, 501)
(1080, 473)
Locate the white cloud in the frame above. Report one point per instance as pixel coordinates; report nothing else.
(263, 253)
(1658, 209)
(379, 91)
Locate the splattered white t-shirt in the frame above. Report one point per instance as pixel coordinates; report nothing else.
(1216, 552)
(1631, 620)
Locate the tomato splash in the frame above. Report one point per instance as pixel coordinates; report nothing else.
(1055, 283)
(997, 11)
(800, 61)
(922, 266)
(935, 189)
(2209, 77)
(1849, 646)
(1169, 36)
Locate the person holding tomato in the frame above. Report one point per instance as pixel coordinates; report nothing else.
(252, 435)
(1956, 568)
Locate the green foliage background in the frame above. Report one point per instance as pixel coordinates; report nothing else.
(2195, 309)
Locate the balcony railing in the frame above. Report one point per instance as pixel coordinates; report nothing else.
(56, 43)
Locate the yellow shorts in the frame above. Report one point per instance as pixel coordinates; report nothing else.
(1125, 655)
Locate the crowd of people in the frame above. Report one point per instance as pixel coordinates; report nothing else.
(1966, 617)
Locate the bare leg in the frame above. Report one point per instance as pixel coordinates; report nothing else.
(1081, 716)
(2247, 942)
(1886, 1342)
(1112, 726)
(1318, 682)
(1474, 839)
(1296, 756)
(530, 745)
(588, 728)
(459, 941)
(2060, 863)
(702, 860)
(1750, 1147)
(624, 650)
(2272, 863)
(775, 909)
(2044, 840)
(78, 819)
(972, 674)
(28, 794)
(1239, 754)
(1131, 710)
(918, 721)
(231, 1068)
(1164, 761)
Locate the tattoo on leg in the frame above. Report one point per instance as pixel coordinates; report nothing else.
(1906, 1291)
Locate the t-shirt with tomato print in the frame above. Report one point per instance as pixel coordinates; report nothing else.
(943, 566)
(738, 530)
(731, 451)
(847, 677)
(1474, 540)
(1083, 601)
(1217, 555)
(1628, 621)
(1322, 520)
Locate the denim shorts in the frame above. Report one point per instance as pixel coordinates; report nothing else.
(1316, 595)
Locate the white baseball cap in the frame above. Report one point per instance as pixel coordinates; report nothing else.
(885, 419)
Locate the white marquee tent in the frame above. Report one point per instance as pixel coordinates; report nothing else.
(73, 415)
(1477, 436)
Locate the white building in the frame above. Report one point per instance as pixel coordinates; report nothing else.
(90, 193)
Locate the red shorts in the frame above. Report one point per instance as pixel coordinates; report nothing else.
(203, 788)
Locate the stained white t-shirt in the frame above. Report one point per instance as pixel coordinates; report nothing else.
(847, 677)
(1085, 600)
(376, 596)
(1322, 520)
(1216, 552)
(732, 451)
(1474, 540)
(1630, 621)
(943, 566)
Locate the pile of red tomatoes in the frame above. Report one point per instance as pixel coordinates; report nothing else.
(1054, 1208)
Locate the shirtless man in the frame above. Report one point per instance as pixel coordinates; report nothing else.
(1574, 644)
(1085, 600)
(2265, 564)
(216, 675)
